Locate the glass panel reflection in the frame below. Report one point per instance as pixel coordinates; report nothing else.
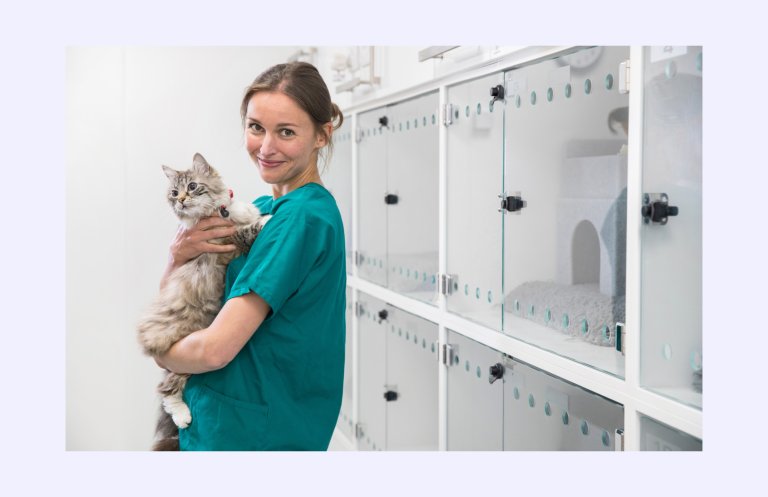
(671, 247)
(565, 235)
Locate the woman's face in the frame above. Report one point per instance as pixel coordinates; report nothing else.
(282, 141)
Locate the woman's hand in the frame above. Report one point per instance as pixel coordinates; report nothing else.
(190, 243)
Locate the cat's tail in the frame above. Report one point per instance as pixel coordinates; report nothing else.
(167, 433)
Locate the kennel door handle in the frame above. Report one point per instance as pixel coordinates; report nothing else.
(656, 208)
(512, 204)
(495, 372)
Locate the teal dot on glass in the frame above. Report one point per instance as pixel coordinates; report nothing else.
(671, 70)
(477, 292)
(381, 264)
(479, 109)
(408, 273)
(550, 94)
(606, 438)
(531, 400)
(699, 61)
(695, 360)
(533, 98)
(407, 336)
(401, 271)
(400, 125)
(517, 305)
(423, 344)
(466, 111)
(407, 125)
(456, 113)
(609, 81)
(565, 418)
(547, 315)
(433, 119)
(584, 428)
(466, 289)
(605, 334)
(587, 86)
(478, 372)
(490, 297)
(517, 101)
(456, 359)
(433, 279)
(466, 366)
(584, 327)
(424, 121)
(425, 277)
(415, 123)
(415, 275)
(547, 409)
(490, 106)
(531, 311)
(374, 131)
(392, 329)
(399, 332)
(415, 339)
(516, 393)
(433, 348)
(568, 90)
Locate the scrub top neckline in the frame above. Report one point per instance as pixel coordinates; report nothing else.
(322, 187)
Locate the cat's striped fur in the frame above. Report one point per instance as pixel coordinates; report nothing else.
(192, 295)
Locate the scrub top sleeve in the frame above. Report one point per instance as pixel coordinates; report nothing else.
(281, 257)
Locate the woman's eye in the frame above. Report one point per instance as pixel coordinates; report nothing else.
(255, 127)
(174, 193)
(287, 132)
(192, 186)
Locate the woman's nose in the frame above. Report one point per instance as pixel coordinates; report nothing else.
(267, 145)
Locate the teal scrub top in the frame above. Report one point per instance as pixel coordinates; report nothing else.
(283, 389)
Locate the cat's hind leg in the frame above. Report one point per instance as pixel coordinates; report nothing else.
(245, 235)
(172, 389)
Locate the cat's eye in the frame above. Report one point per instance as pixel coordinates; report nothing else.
(174, 193)
(192, 186)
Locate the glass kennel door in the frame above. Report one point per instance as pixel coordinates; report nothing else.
(475, 406)
(671, 243)
(371, 372)
(337, 178)
(372, 153)
(411, 389)
(412, 197)
(543, 412)
(475, 160)
(565, 210)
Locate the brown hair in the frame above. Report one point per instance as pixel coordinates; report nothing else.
(304, 85)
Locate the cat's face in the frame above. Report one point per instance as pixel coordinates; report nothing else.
(197, 192)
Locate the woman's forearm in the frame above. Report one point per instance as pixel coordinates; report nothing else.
(214, 347)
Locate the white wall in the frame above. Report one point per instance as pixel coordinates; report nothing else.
(129, 111)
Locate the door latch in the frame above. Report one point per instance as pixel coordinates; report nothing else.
(656, 208)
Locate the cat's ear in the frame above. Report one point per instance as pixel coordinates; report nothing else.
(171, 173)
(201, 166)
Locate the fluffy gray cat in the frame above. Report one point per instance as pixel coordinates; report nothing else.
(192, 295)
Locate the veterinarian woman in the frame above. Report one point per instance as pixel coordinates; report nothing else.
(268, 372)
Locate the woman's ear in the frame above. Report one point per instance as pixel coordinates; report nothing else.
(324, 137)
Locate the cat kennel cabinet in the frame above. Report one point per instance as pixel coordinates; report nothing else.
(524, 255)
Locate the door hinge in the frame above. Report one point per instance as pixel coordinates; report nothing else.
(619, 437)
(359, 432)
(447, 114)
(449, 352)
(358, 258)
(447, 282)
(358, 135)
(624, 77)
(513, 203)
(359, 309)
